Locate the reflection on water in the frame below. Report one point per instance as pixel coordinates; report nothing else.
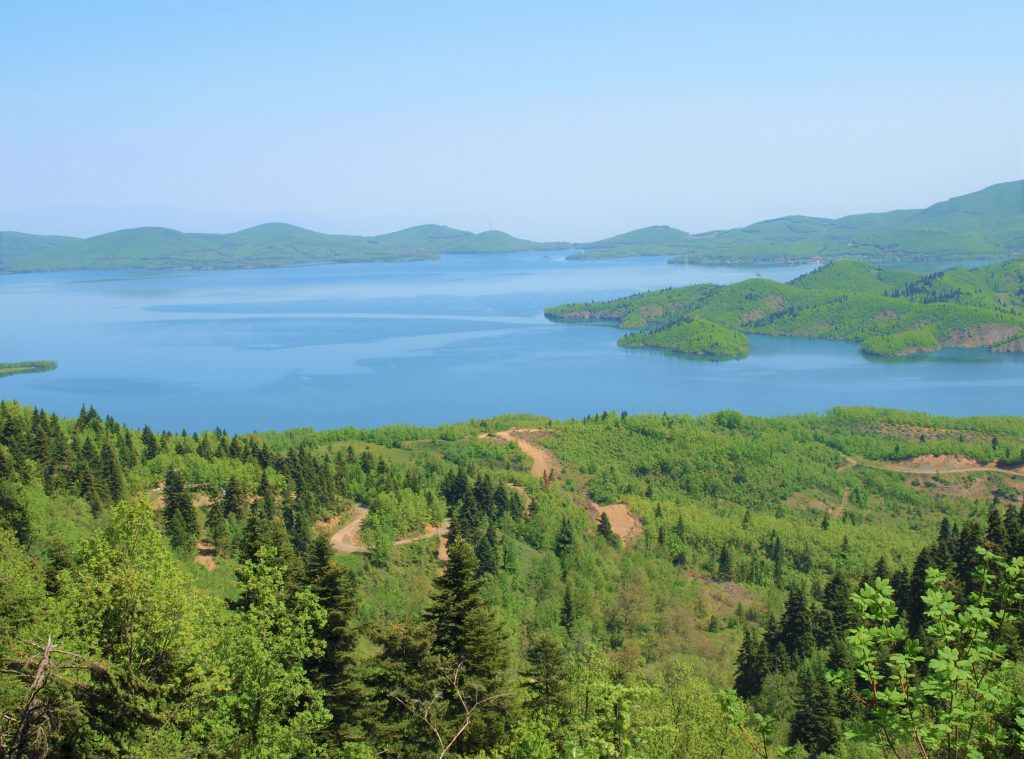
(426, 343)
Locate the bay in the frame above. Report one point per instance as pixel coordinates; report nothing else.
(427, 343)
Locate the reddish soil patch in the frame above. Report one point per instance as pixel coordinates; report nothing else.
(984, 334)
(937, 465)
(206, 554)
(624, 522)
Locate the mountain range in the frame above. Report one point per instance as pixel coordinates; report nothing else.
(984, 224)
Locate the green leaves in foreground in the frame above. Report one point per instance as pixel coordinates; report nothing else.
(954, 693)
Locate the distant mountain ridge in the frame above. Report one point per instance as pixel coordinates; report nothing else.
(987, 223)
(263, 246)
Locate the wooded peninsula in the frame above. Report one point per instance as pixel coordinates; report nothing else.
(890, 312)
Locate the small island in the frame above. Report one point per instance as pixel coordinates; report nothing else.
(889, 312)
(9, 368)
(692, 337)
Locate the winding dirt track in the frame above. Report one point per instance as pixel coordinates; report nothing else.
(348, 537)
(931, 465)
(543, 462)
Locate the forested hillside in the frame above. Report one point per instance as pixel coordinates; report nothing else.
(988, 223)
(888, 311)
(617, 586)
(984, 224)
(264, 246)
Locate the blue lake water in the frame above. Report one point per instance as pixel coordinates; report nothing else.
(427, 343)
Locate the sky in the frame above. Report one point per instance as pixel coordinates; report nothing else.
(555, 121)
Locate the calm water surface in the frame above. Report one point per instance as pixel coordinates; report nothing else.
(426, 343)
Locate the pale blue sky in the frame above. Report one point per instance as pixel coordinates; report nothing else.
(565, 121)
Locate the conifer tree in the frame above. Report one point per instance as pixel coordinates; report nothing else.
(797, 626)
(604, 529)
(814, 722)
(113, 475)
(179, 513)
(217, 527)
(725, 568)
(564, 539)
(752, 664)
(150, 445)
(234, 499)
(469, 637)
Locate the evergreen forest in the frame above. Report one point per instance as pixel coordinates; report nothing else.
(845, 585)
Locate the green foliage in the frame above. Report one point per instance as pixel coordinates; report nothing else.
(889, 312)
(697, 337)
(954, 692)
(265, 705)
(536, 638)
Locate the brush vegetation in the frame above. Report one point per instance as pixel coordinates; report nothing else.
(888, 311)
(729, 618)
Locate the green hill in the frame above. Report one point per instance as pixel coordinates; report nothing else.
(266, 245)
(988, 223)
(889, 312)
(984, 224)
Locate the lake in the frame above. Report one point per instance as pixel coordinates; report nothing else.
(427, 343)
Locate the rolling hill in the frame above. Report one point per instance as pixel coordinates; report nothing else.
(888, 311)
(984, 224)
(987, 223)
(267, 245)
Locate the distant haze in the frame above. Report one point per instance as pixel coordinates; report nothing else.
(577, 121)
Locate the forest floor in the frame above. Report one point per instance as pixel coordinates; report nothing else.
(206, 555)
(544, 463)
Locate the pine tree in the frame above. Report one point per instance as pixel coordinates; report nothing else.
(150, 445)
(335, 588)
(217, 527)
(752, 664)
(564, 539)
(836, 598)
(797, 626)
(568, 612)
(725, 568)
(604, 529)
(113, 475)
(814, 721)
(468, 635)
(234, 499)
(547, 678)
(179, 513)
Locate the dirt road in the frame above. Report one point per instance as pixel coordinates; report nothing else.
(348, 537)
(543, 462)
